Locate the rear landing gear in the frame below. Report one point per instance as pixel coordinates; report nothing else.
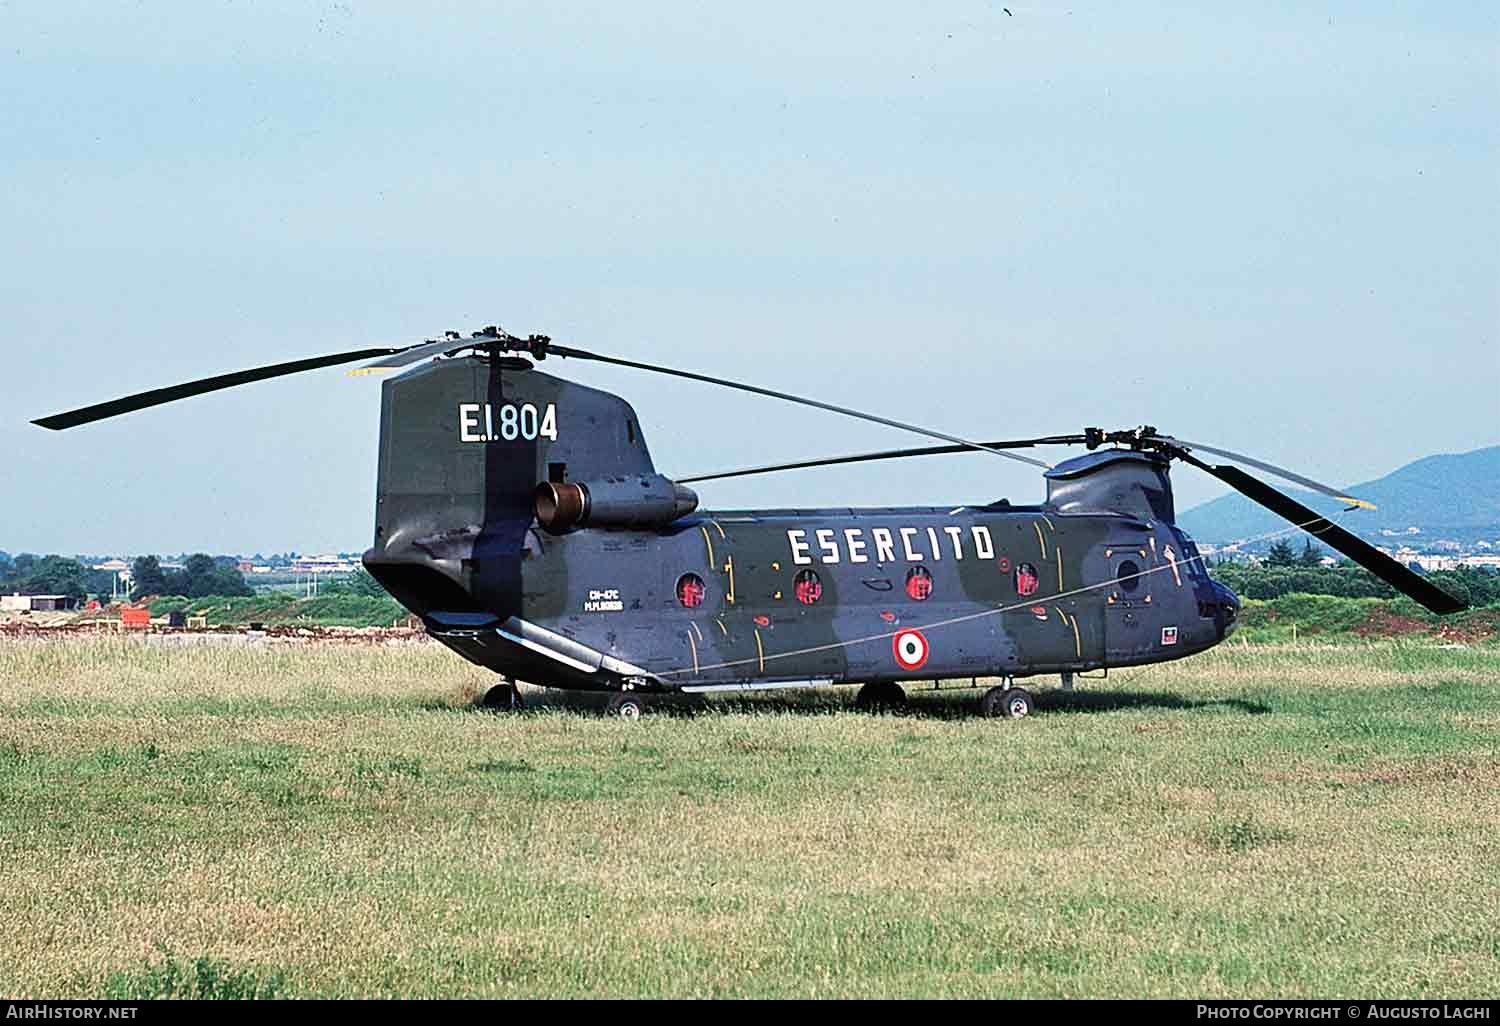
(1011, 703)
(626, 706)
(503, 698)
(881, 696)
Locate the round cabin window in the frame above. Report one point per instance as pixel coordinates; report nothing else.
(918, 584)
(808, 587)
(1026, 580)
(690, 591)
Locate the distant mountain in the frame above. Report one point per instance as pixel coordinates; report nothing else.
(1448, 496)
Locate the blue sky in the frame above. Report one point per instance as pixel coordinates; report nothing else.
(1267, 226)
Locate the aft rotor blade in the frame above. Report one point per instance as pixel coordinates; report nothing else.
(158, 396)
(417, 353)
(583, 354)
(885, 454)
(1398, 576)
(1281, 472)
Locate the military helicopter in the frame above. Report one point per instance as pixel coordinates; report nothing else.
(521, 517)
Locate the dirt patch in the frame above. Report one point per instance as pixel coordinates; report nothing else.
(1382, 623)
(1480, 625)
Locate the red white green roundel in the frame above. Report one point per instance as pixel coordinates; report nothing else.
(910, 648)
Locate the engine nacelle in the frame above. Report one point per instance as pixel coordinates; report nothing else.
(1113, 480)
(640, 501)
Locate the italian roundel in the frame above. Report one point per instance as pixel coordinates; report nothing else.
(911, 649)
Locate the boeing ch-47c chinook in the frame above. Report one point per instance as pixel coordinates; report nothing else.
(521, 517)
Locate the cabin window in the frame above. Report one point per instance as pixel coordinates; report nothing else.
(1129, 576)
(690, 591)
(918, 584)
(808, 587)
(1026, 580)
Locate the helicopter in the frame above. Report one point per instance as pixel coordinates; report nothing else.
(520, 517)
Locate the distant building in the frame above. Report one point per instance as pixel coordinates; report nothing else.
(322, 565)
(37, 603)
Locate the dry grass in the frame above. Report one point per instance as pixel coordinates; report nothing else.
(334, 820)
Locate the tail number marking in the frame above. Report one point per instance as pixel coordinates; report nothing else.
(486, 422)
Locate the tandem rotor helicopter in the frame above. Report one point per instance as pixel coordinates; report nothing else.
(521, 517)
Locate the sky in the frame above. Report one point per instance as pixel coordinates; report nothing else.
(1269, 227)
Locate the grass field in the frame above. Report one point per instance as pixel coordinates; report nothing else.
(335, 820)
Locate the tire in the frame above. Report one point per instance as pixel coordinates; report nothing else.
(992, 703)
(626, 706)
(503, 698)
(881, 696)
(1009, 703)
(1019, 704)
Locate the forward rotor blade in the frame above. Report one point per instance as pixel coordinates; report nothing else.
(886, 454)
(583, 354)
(1281, 472)
(158, 396)
(1400, 577)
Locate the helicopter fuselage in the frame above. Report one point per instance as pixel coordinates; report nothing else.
(750, 599)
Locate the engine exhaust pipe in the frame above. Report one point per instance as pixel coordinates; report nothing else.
(640, 501)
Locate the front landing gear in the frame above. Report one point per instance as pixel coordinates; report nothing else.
(1011, 702)
(626, 706)
(503, 698)
(881, 696)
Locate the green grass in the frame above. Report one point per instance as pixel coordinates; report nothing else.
(334, 820)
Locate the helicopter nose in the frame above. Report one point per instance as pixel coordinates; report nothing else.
(1229, 610)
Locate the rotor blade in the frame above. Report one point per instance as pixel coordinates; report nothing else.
(158, 396)
(583, 354)
(414, 354)
(886, 454)
(1400, 577)
(1281, 472)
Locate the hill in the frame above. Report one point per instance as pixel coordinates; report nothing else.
(1453, 496)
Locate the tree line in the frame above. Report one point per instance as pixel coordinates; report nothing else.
(31, 574)
(201, 575)
(1285, 571)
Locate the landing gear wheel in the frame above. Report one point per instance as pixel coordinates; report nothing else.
(882, 696)
(1011, 703)
(626, 706)
(1018, 704)
(503, 698)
